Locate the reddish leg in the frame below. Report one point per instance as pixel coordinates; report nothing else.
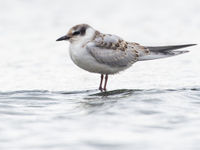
(100, 86)
(106, 79)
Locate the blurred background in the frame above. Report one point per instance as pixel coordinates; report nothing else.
(32, 60)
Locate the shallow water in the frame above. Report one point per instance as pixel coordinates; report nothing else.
(48, 103)
(118, 119)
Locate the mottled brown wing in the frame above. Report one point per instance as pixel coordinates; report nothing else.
(112, 57)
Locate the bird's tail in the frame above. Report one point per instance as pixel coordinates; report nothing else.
(164, 51)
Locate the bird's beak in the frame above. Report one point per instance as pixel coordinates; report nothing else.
(63, 38)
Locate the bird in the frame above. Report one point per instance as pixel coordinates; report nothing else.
(108, 54)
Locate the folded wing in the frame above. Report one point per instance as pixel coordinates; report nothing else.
(109, 50)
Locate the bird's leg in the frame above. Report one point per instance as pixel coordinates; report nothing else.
(106, 79)
(100, 86)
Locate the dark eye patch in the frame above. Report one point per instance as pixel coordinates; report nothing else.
(79, 30)
(76, 33)
(83, 29)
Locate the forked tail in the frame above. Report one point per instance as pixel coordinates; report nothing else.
(164, 51)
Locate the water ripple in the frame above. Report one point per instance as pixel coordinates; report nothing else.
(73, 114)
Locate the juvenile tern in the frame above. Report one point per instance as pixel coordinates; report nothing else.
(109, 54)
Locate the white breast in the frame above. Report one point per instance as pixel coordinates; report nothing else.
(82, 58)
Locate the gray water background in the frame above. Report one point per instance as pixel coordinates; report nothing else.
(46, 102)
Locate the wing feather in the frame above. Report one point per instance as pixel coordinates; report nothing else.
(109, 50)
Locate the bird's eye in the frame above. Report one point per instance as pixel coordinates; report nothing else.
(76, 33)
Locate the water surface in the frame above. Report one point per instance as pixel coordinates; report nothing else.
(118, 119)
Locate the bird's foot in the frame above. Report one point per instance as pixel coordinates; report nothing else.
(102, 89)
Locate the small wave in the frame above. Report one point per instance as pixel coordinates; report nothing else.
(24, 92)
(94, 92)
(142, 91)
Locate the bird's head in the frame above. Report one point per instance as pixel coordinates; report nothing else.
(78, 33)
